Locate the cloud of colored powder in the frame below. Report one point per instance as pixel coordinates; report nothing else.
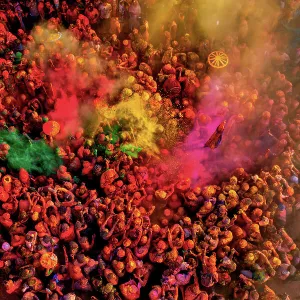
(74, 74)
(132, 116)
(244, 30)
(33, 156)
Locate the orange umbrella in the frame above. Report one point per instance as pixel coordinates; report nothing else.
(51, 128)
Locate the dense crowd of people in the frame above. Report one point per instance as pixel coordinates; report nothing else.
(112, 222)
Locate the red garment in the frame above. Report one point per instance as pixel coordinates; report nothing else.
(72, 15)
(92, 15)
(84, 20)
(168, 71)
(172, 87)
(190, 87)
(68, 235)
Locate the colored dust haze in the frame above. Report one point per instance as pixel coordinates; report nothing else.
(137, 127)
(237, 93)
(73, 73)
(85, 97)
(83, 92)
(33, 156)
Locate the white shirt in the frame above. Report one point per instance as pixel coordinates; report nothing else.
(135, 9)
(105, 11)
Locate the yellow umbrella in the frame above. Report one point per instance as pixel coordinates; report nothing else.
(218, 59)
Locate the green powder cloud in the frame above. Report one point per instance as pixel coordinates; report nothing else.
(131, 150)
(34, 156)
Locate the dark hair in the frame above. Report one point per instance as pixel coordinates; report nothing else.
(80, 257)
(62, 210)
(29, 238)
(62, 269)
(46, 239)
